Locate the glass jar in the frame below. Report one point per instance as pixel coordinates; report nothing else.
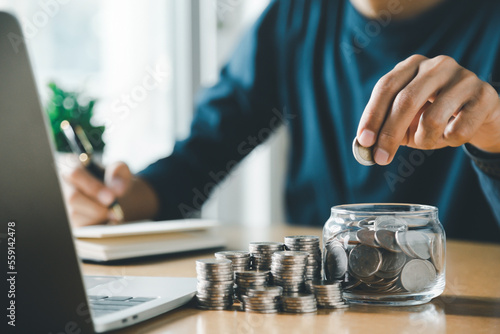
(388, 254)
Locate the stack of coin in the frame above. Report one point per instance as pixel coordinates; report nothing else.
(288, 270)
(310, 244)
(263, 299)
(240, 259)
(328, 294)
(215, 284)
(250, 279)
(299, 303)
(262, 253)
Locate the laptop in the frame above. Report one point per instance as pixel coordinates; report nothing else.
(43, 289)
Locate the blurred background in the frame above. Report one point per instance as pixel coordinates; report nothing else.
(143, 62)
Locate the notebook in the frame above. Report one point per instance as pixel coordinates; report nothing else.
(145, 238)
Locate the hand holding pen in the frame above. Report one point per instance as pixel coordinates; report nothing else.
(91, 201)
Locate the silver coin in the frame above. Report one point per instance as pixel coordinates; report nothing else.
(312, 310)
(392, 261)
(291, 255)
(233, 254)
(418, 275)
(214, 289)
(290, 267)
(266, 290)
(364, 261)
(260, 299)
(262, 311)
(335, 306)
(388, 275)
(274, 308)
(212, 262)
(336, 262)
(214, 269)
(387, 239)
(363, 155)
(266, 245)
(214, 308)
(367, 237)
(301, 238)
(328, 297)
(403, 244)
(208, 298)
(419, 244)
(285, 263)
(437, 255)
(251, 281)
(351, 282)
(300, 306)
(298, 296)
(390, 223)
(253, 273)
(259, 306)
(371, 279)
(327, 293)
(368, 223)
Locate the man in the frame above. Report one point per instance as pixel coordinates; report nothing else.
(402, 76)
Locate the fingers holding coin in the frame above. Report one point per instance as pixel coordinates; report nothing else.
(428, 104)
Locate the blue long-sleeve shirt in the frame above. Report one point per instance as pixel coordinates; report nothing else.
(312, 65)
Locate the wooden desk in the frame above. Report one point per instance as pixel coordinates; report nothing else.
(470, 303)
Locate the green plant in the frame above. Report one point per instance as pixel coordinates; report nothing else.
(64, 105)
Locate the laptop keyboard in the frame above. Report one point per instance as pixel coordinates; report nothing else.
(102, 305)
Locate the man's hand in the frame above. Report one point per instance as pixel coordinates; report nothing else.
(88, 199)
(428, 104)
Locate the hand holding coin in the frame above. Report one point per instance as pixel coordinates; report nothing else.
(429, 103)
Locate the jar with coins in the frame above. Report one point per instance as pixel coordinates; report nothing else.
(387, 254)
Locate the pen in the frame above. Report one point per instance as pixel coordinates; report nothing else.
(81, 146)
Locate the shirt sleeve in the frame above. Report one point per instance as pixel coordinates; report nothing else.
(231, 118)
(487, 167)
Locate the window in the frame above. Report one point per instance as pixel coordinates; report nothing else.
(118, 51)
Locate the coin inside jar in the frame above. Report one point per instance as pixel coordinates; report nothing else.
(364, 261)
(335, 260)
(392, 261)
(390, 223)
(367, 237)
(363, 155)
(395, 255)
(417, 244)
(387, 239)
(417, 275)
